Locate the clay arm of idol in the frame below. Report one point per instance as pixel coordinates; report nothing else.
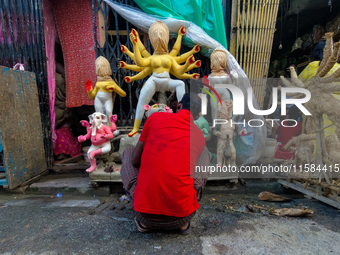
(124, 49)
(139, 76)
(177, 45)
(180, 69)
(91, 92)
(187, 76)
(182, 58)
(194, 65)
(135, 68)
(139, 60)
(141, 46)
(137, 154)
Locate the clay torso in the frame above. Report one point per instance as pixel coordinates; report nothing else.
(101, 86)
(161, 63)
(226, 130)
(97, 138)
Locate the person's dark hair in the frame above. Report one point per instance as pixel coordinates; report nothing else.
(191, 102)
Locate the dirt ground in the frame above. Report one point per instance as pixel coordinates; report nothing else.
(36, 224)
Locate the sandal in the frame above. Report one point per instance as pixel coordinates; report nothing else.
(139, 226)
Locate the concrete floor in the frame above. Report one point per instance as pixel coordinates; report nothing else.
(41, 223)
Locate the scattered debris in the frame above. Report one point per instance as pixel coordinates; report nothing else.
(157, 248)
(124, 198)
(253, 209)
(109, 169)
(294, 212)
(268, 196)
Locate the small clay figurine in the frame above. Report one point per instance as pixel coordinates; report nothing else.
(102, 93)
(159, 65)
(225, 132)
(100, 135)
(219, 75)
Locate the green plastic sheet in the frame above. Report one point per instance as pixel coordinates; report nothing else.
(206, 14)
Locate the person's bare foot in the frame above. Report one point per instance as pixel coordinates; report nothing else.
(185, 226)
(185, 230)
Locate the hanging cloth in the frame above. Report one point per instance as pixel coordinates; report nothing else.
(50, 33)
(74, 22)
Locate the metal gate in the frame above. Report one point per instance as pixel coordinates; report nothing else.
(22, 41)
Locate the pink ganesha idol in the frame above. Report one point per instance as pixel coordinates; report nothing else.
(100, 135)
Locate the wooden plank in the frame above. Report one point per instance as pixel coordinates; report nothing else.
(232, 46)
(34, 152)
(25, 132)
(120, 32)
(299, 187)
(101, 21)
(11, 127)
(20, 121)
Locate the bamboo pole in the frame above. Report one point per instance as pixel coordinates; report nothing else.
(268, 36)
(256, 43)
(233, 33)
(268, 49)
(265, 42)
(254, 32)
(271, 38)
(247, 39)
(261, 49)
(256, 39)
(242, 34)
(250, 42)
(238, 35)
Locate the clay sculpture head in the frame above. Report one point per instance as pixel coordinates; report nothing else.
(97, 119)
(218, 62)
(103, 69)
(159, 37)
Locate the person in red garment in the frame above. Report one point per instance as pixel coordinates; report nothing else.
(165, 191)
